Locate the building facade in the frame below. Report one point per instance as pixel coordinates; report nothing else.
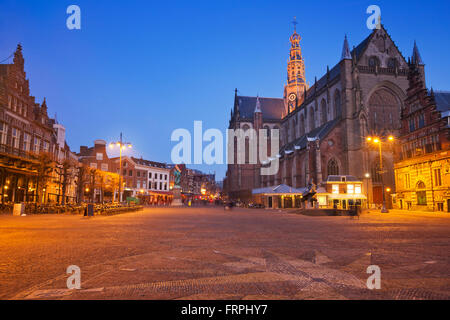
(33, 150)
(422, 168)
(144, 178)
(322, 127)
(97, 183)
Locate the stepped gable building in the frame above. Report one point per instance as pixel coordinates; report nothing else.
(422, 168)
(26, 130)
(323, 127)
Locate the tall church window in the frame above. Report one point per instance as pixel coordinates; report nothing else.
(337, 104)
(293, 128)
(323, 110)
(333, 168)
(311, 119)
(247, 144)
(386, 105)
(302, 125)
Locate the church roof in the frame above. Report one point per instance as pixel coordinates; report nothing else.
(272, 108)
(442, 99)
(320, 132)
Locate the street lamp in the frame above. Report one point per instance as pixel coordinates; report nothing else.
(122, 145)
(367, 176)
(377, 141)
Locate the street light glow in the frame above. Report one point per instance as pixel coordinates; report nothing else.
(376, 140)
(391, 138)
(367, 175)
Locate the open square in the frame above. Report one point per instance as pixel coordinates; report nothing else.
(210, 253)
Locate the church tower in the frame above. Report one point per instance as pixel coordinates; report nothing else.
(296, 84)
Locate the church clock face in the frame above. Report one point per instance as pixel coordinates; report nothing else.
(292, 97)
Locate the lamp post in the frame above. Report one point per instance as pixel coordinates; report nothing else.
(367, 176)
(122, 145)
(377, 141)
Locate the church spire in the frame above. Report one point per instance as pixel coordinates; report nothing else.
(236, 103)
(345, 50)
(295, 73)
(416, 58)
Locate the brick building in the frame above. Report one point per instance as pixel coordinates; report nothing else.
(144, 178)
(323, 126)
(28, 137)
(99, 182)
(422, 167)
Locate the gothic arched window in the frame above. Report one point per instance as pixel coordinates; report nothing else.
(302, 125)
(384, 110)
(337, 104)
(323, 111)
(333, 168)
(311, 119)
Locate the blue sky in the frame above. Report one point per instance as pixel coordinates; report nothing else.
(148, 67)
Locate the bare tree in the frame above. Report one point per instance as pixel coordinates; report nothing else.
(65, 171)
(82, 177)
(45, 168)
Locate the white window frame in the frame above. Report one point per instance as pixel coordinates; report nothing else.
(26, 141)
(4, 133)
(335, 189)
(350, 188)
(15, 138)
(36, 145)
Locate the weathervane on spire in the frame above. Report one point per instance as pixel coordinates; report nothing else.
(295, 23)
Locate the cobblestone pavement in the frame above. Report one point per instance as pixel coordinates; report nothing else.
(209, 253)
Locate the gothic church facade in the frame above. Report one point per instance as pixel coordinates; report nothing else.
(323, 127)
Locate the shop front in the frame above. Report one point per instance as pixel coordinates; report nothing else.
(281, 196)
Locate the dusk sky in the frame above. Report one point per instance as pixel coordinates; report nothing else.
(145, 68)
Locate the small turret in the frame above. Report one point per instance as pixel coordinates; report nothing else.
(18, 57)
(345, 50)
(258, 105)
(416, 58)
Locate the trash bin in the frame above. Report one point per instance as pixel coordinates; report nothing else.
(19, 209)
